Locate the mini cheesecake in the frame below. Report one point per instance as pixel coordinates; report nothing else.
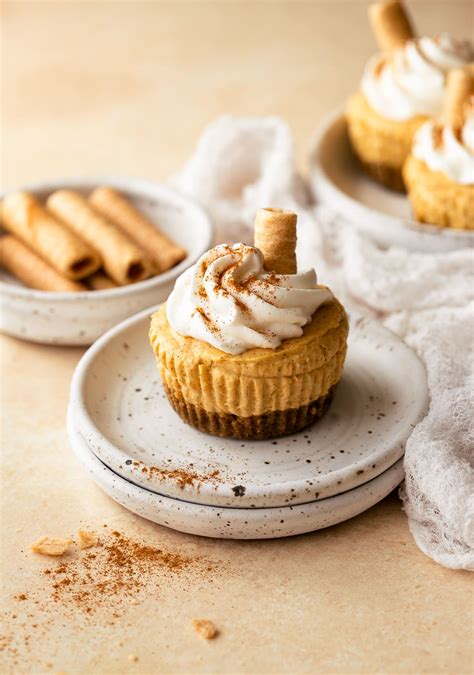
(262, 393)
(246, 346)
(402, 87)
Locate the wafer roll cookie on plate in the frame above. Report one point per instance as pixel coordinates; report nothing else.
(32, 270)
(275, 236)
(161, 250)
(391, 24)
(122, 260)
(459, 90)
(24, 217)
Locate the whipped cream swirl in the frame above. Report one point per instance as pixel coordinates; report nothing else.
(411, 81)
(442, 149)
(228, 300)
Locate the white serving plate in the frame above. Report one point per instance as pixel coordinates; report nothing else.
(236, 523)
(118, 406)
(80, 318)
(337, 178)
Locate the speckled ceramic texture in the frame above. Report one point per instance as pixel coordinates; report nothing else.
(338, 179)
(118, 405)
(236, 523)
(80, 318)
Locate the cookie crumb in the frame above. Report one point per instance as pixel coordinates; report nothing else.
(87, 539)
(205, 628)
(51, 545)
(133, 657)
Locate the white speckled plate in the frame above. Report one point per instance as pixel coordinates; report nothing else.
(337, 179)
(118, 406)
(236, 523)
(80, 318)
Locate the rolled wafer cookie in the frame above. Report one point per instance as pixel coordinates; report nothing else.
(160, 249)
(28, 267)
(122, 260)
(391, 24)
(100, 282)
(459, 90)
(275, 236)
(25, 217)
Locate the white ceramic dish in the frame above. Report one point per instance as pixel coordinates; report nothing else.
(337, 179)
(236, 523)
(118, 406)
(80, 318)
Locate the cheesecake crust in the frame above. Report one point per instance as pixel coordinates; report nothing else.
(257, 427)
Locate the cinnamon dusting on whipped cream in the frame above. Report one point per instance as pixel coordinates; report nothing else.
(437, 135)
(411, 80)
(379, 66)
(448, 150)
(230, 301)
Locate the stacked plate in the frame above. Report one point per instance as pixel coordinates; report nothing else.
(138, 450)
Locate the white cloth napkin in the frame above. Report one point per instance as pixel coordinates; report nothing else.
(241, 164)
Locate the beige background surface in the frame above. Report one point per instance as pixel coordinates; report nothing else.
(126, 87)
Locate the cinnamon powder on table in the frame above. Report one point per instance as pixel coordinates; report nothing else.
(106, 580)
(117, 569)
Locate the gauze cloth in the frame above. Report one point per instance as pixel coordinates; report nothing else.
(242, 164)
